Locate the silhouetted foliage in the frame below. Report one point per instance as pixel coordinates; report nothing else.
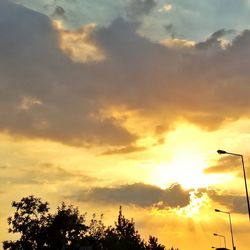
(31, 221)
(123, 236)
(153, 244)
(39, 229)
(67, 230)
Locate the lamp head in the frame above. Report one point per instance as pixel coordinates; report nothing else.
(221, 152)
(217, 210)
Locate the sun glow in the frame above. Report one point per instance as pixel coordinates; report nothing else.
(186, 168)
(197, 201)
(186, 155)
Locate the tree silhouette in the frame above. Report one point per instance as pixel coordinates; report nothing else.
(66, 229)
(154, 245)
(96, 232)
(123, 236)
(39, 229)
(30, 220)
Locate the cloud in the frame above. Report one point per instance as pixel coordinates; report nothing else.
(171, 30)
(184, 83)
(215, 39)
(138, 194)
(154, 82)
(139, 8)
(225, 164)
(44, 173)
(28, 102)
(124, 150)
(166, 8)
(176, 43)
(70, 110)
(234, 203)
(78, 44)
(59, 12)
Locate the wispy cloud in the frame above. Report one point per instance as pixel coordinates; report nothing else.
(42, 174)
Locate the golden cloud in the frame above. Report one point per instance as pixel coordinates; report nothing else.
(78, 44)
(166, 8)
(178, 43)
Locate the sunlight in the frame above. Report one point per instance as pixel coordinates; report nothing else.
(186, 160)
(197, 201)
(187, 171)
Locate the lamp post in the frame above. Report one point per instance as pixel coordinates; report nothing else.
(230, 222)
(244, 172)
(219, 235)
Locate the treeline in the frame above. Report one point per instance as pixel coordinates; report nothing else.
(67, 229)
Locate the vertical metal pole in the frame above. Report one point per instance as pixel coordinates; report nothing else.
(245, 179)
(224, 241)
(231, 229)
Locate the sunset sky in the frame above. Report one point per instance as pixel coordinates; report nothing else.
(125, 102)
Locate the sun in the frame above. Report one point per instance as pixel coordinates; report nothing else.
(187, 170)
(183, 158)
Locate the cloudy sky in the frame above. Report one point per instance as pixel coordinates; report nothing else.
(106, 103)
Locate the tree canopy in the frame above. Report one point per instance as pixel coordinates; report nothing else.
(67, 229)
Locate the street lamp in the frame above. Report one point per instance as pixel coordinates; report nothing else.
(230, 222)
(219, 235)
(244, 172)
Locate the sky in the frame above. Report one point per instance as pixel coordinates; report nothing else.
(106, 103)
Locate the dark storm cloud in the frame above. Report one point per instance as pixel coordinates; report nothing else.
(138, 194)
(44, 94)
